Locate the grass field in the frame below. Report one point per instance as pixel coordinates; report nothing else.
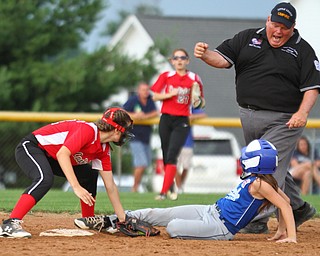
(57, 201)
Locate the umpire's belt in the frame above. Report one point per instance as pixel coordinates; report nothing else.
(250, 107)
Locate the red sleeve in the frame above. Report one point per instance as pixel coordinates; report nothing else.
(79, 137)
(160, 84)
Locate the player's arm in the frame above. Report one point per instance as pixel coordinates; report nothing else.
(164, 96)
(142, 115)
(299, 119)
(294, 162)
(281, 231)
(199, 81)
(113, 194)
(63, 157)
(150, 114)
(158, 91)
(212, 58)
(286, 219)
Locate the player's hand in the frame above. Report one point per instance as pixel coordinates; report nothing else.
(278, 236)
(199, 49)
(287, 240)
(297, 120)
(84, 195)
(174, 92)
(281, 237)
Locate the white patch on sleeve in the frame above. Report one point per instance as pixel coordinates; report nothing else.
(52, 139)
(97, 164)
(317, 65)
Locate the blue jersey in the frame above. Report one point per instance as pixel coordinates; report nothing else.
(239, 207)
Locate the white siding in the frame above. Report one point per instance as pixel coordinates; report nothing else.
(308, 14)
(132, 37)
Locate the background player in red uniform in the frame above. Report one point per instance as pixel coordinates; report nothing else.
(73, 149)
(173, 88)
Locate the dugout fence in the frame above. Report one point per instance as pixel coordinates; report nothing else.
(14, 125)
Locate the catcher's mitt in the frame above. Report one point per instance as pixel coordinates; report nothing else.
(134, 227)
(196, 99)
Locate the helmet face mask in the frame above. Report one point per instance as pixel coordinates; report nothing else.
(125, 136)
(245, 175)
(260, 157)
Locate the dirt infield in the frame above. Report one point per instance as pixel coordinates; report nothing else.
(119, 245)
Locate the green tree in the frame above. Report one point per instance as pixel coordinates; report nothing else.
(77, 84)
(42, 67)
(40, 29)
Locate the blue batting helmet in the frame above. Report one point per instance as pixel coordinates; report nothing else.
(260, 157)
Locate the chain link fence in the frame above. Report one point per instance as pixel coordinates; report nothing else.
(11, 176)
(14, 127)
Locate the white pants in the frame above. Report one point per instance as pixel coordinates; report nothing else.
(200, 222)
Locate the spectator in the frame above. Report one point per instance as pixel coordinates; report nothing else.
(303, 169)
(277, 84)
(173, 88)
(141, 107)
(73, 149)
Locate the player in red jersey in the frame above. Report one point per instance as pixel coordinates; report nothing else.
(173, 88)
(74, 149)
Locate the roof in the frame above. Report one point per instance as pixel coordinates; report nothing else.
(185, 32)
(137, 33)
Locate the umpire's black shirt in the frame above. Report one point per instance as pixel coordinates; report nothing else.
(271, 78)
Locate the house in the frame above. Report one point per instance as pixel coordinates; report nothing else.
(308, 21)
(138, 33)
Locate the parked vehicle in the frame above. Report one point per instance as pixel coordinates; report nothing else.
(125, 185)
(215, 165)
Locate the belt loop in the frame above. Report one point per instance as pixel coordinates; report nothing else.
(250, 107)
(217, 208)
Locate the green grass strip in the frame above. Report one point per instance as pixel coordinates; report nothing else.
(57, 201)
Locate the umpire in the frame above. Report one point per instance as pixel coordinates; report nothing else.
(277, 84)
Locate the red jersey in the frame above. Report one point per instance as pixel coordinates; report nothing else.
(177, 105)
(81, 138)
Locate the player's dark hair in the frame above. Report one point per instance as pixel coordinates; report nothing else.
(308, 145)
(118, 116)
(268, 178)
(181, 50)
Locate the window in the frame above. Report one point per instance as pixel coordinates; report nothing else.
(212, 147)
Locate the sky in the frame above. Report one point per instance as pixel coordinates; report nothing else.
(187, 8)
